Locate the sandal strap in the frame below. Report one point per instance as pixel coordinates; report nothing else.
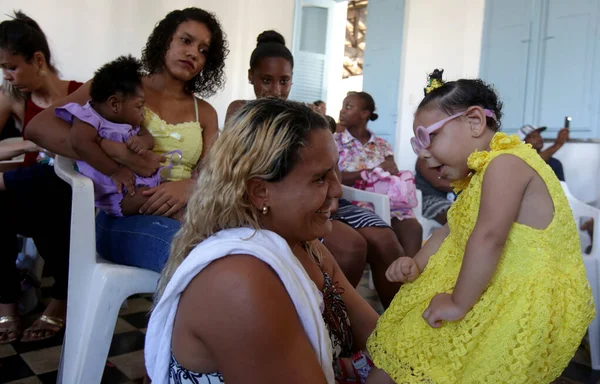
(14, 329)
(56, 321)
(8, 319)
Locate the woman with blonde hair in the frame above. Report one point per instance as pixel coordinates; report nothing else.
(358, 235)
(249, 294)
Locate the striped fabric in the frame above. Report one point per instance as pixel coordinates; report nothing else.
(434, 205)
(357, 217)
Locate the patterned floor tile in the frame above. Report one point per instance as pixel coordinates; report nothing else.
(136, 305)
(37, 345)
(29, 380)
(49, 378)
(127, 342)
(123, 326)
(131, 364)
(7, 350)
(13, 368)
(112, 375)
(43, 360)
(138, 320)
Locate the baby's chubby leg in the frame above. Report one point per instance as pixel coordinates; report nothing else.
(378, 376)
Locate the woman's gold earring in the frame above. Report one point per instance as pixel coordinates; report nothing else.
(265, 210)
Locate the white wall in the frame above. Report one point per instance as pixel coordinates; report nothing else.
(85, 34)
(437, 34)
(453, 42)
(336, 59)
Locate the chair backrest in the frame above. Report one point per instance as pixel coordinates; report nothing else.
(380, 202)
(83, 223)
(581, 211)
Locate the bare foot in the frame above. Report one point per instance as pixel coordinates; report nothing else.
(9, 330)
(40, 330)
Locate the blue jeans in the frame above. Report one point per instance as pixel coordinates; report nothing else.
(139, 241)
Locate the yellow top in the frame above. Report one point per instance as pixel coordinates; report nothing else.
(187, 137)
(529, 321)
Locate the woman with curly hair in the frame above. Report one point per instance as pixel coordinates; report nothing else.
(184, 59)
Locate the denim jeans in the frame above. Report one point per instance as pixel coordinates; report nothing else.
(141, 241)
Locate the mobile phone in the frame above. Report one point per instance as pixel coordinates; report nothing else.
(567, 122)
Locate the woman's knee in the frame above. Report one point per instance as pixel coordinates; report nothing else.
(408, 228)
(347, 245)
(415, 227)
(382, 243)
(141, 241)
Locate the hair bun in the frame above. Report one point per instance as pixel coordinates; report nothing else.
(374, 116)
(434, 81)
(270, 37)
(23, 18)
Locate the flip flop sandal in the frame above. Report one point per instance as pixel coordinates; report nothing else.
(54, 321)
(16, 329)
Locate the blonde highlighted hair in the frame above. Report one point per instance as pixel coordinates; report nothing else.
(260, 141)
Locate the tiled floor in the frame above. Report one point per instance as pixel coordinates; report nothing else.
(35, 363)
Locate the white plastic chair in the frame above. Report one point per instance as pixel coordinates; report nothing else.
(592, 265)
(97, 288)
(381, 203)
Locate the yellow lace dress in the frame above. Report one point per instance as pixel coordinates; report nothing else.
(187, 137)
(529, 321)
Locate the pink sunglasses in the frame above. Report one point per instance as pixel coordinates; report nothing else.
(422, 134)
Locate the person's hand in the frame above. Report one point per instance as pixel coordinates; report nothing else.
(403, 270)
(588, 226)
(389, 166)
(167, 198)
(124, 177)
(137, 145)
(563, 136)
(442, 308)
(145, 165)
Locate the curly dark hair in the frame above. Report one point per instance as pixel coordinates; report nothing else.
(458, 95)
(212, 76)
(122, 75)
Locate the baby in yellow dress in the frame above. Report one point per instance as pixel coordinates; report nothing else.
(499, 294)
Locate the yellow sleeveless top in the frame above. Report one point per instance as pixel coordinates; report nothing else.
(530, 319)
(187, 137)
